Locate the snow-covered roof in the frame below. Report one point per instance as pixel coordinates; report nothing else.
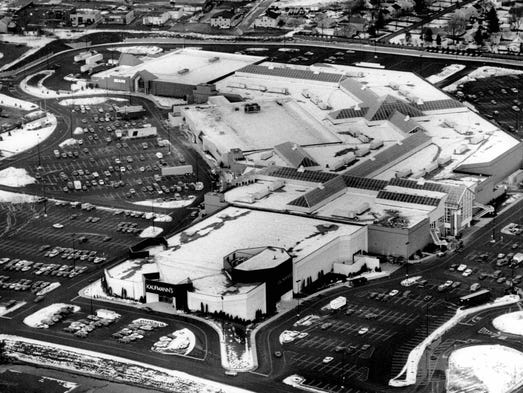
(188, 66)
(229, 126)
(270, 257)
(197, 253)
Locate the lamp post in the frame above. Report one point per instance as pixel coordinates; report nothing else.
(74, 251)
(298, 293)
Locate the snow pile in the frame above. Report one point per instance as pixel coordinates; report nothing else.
(510, 323)
(180, 342)
(158, 217)
(15, 177)
(68, 142)
(151, 232)
(107, 314)
(39, 318)
(109, 367)
(480, 73)
(239, 361)
(21, 139)
(445, 73)
(484, 368)
(160, 203)
(12, 102)
(13, 197)
(139, 50)
(89, 101)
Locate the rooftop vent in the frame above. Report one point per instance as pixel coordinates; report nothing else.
(183, 71)
(214, 59)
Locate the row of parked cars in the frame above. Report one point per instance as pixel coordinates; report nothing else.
(40, 268)
(73, 254)
(23, 284)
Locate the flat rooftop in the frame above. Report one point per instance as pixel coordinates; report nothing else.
(188, 66)
(197, 253)
(228, 126)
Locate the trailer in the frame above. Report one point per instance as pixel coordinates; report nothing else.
(475, 299)
(179, 170)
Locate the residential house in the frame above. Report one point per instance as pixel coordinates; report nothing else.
(222, 20)
(189, 5)
(5, 22)
(268, 20)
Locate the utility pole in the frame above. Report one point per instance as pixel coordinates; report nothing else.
(298, 296)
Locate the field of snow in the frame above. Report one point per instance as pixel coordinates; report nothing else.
(89, 101)
(15, 177)
(23, 139)
(160, 203)
(151, 232)
(109, 367)
(12, 197)
(34, 43)
(139, 50)
(12, 102)
(510, 323)
(484, 369)
(445, 73)
(36, 319)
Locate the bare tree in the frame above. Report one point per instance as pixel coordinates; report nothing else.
(456, 25)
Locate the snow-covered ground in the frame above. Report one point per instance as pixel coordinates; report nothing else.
(110, 367)
(445, 73)
(13, 197)
(36, 319)
(160, 203)
(180, 342)
(34, 43)
(484, 369)
(15, 177)
(510, 323)
(482, 72)
(12, 102)
(89, 101)
(22, 139)
(151, 232)
(139, 50)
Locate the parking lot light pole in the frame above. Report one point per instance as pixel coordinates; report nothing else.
(298, 293)
(74, 252)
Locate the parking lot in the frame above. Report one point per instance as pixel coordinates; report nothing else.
(499, 99)
(103, 163)
(64, 239)
(370, 337)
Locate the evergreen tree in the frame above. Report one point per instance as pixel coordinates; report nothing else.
(428, 35)
(419, 6)
(438, 40)
(408, 37)
(493, 20)
(478, 36)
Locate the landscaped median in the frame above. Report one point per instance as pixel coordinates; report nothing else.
(108, 367)
(407, 376)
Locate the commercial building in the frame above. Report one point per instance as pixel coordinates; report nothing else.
(156, 20)
(86, 16)
(240, 262)
(174, 74)
(119, 17)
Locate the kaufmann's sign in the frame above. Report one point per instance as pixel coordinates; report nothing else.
(161, 288)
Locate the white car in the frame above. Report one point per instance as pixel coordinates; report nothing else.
(58, 226)
(328, 359)
(467, 273)
(501, 255)
(461, 268)
(394, 292)
(363, 330)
